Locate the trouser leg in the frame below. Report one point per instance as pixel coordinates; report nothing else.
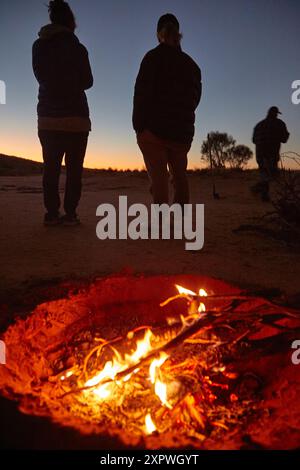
(76, 144)
(53, 152)
(268, 172)
(177, 161)
(156, 160)
(267, 159)
(264, 185)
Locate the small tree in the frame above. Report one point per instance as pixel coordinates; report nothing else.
(238, 156)
(219, 150)
(215, 149)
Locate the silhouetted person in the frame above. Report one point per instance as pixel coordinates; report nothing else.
(61, 66)
(268, 136)
(167, 92)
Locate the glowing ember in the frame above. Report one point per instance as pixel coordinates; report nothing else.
(68, 374)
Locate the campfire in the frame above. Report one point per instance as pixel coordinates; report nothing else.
(193, 374)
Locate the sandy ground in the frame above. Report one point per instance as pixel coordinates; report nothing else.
(31, 254)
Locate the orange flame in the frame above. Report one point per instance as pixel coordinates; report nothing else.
(119, 363)
(149, 425)
(184, 291)
(160, 387)
(187, 292)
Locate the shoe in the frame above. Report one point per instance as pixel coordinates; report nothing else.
(51, 220)
(70, 220)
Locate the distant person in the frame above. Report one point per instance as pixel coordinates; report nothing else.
(167, 92)
(61, 66)
(268, 136)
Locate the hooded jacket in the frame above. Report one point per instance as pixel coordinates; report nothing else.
(62, 68)
(268, 135)
(167, 92)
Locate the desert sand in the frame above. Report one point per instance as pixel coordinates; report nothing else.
(31, 254)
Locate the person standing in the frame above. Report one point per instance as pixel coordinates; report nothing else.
(167, 92)
(268, 136)
(62, 68)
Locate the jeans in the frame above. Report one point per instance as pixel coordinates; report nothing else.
(268, 167)
(159, 155)
(55, 146)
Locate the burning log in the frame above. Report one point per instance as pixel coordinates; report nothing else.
(166, 348)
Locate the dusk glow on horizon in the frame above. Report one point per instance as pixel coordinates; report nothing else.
(248, 51)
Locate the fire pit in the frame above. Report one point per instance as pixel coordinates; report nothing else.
(181, 361)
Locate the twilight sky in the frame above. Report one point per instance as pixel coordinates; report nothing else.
(248, 51)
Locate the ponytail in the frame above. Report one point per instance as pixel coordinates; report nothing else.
(61, 13)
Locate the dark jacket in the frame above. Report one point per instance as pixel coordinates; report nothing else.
(268, 136)
(167, 92)
(62, 68)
